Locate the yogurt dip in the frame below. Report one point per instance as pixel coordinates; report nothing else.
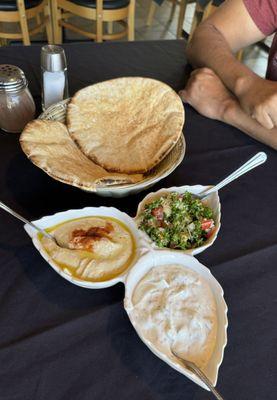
(173, 306)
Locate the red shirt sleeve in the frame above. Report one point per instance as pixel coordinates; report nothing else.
(264, 14)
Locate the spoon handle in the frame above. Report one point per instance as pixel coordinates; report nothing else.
(206, 380)
(18, 216)
(258, 159)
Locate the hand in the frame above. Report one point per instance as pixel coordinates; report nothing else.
(258, 98)
(207, 94)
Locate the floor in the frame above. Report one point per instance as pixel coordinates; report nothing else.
(164, 28)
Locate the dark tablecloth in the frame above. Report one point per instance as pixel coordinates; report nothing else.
(59, 341)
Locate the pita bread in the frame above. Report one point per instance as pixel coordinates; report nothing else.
(48, 145)
(126, 125)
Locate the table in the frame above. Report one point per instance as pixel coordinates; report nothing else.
(59, 341)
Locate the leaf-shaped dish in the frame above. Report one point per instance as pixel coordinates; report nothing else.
(58, 218)
(212, 201)
(145, 258)
(157, 258)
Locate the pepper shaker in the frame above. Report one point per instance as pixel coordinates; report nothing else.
(17, 106)
(54, 75)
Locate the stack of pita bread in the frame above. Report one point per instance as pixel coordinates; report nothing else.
(116, 132)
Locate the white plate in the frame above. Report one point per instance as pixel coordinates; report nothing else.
(52, 220)
(156, 258)
(212, 201)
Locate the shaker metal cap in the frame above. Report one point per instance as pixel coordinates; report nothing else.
(53, 58)
(12, 78)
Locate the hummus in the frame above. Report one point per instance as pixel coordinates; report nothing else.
(173, 306)
(91, 248)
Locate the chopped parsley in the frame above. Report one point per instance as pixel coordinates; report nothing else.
(177, 221)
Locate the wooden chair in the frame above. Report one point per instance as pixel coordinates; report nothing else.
(197, 17)
(21, 12)
(101, 11)
(183, 6)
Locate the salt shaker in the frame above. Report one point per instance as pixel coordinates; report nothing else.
(17, 106)
(54, 75)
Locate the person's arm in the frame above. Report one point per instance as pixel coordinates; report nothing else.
(235, 116)
(208, 95)
(218, 38)
(214, 44)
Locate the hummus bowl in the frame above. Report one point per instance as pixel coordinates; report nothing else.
(60, 218)
(212, 202)
(155, 259)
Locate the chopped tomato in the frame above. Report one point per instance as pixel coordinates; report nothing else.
(206, 224)
(210, 232)
(158, 213)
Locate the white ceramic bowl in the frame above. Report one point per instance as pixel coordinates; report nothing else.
(212, 201)
(52, 220)
(156, 258)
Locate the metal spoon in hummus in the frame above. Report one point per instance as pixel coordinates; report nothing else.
(18, 216)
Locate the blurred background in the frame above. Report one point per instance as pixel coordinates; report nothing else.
(148, 20)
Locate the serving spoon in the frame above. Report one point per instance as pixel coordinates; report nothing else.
(254, 162)
(18, 216)
(193, 368)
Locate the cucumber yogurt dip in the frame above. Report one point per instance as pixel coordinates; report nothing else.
(177, 221)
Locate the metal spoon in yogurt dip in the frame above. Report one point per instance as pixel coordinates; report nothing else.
(193, 368)
(18, 216)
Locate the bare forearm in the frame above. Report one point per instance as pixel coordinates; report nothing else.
(209, 48)
(236, 117)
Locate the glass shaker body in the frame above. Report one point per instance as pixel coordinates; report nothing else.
(54, 87)
(17, 108)
(53, 75)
